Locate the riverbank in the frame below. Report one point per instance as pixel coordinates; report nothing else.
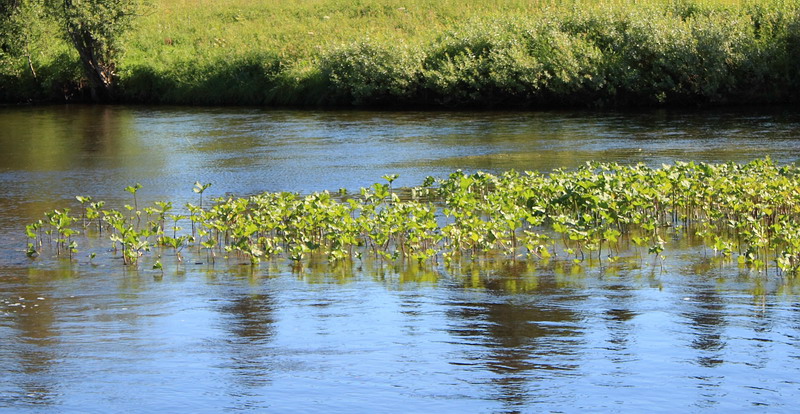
(416, 53)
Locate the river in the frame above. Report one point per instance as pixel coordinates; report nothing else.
(691, 334)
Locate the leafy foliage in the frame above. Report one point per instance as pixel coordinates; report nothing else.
(597, 213)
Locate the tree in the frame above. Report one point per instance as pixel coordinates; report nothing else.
(94, 28)
(19, 29)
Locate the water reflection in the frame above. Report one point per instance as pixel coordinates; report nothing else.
(51, 154)
(763, 326)
(28, 354)
(495, 336)
(706, 318)
(618, 315)
(59, 138)
(523, 340)
(249, 320)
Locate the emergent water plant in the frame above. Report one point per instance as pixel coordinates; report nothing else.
(596, 213)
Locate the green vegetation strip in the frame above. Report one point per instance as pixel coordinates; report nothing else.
(491, 53)
(601, 211)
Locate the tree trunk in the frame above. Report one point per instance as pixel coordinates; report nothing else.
(98, 71)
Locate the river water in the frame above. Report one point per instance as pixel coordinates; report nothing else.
(691, 334)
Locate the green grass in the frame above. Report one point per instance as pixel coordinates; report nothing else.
(492, 53)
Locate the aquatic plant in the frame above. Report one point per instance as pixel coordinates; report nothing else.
(598, 212)
(200, 189)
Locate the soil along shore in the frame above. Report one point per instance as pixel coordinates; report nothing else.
(417, 53)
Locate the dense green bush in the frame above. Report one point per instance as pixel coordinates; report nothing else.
(651, 58)
(494, 63)
(242, 81)
(771, 68)
(370, 72)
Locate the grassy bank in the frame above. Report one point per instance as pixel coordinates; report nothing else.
(493, 53)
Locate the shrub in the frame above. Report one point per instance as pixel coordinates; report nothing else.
(368, 72)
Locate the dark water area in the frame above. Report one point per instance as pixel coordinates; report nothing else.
(691, 334)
